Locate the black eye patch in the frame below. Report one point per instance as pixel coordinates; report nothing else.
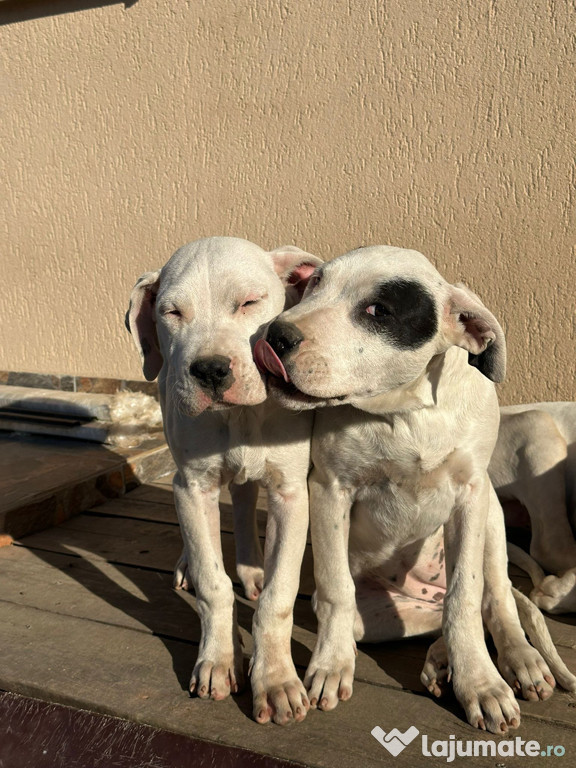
(401, 310)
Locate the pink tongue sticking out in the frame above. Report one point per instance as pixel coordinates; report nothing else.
(267, 360)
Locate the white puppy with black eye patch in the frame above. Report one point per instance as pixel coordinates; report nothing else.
(407, 532)
(194, 322)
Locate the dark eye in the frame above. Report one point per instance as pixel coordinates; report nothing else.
(314, 280)
(249, 303)
(377, 310)
(312, 283)
(173, 313)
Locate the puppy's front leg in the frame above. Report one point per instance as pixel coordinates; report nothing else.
(488, 701)
(218, 668)
(330, 674)
(277, 690)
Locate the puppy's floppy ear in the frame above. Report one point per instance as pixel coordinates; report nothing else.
(294, 267)
(468, 324)
(141, 322)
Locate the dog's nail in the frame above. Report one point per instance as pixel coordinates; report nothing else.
(324, 702)
(514, 723)
(313, 702)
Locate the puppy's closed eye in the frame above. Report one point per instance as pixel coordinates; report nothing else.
(250, 301)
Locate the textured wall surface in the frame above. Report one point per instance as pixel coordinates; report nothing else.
(127, 131)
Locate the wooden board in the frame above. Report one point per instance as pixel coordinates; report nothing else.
(55, 735)
(157, 512)
(143, 678)
(46, 480)
(88, 619)
(137, 542)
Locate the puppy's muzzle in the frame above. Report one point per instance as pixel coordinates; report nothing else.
(213, 374)
(281, 339)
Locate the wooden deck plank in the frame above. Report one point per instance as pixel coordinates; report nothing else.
(44, 481)
(56, 736)
(166, 512)
(158, 492)
(141, 677)
(88, 618)
(143, 600)
(136, 542)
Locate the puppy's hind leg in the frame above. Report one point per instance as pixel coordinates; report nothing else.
(436, 671)
(538, 482)
(525, 668)
(554, 594)
(249, 557)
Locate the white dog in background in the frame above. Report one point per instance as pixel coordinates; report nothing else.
(534, 462)
(194, 322)
(407, 532)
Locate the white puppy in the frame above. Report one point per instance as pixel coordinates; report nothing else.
(194, 322)
(404, 518)
(534, 462)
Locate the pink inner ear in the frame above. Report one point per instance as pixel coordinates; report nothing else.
(301, 272)
(478, 329)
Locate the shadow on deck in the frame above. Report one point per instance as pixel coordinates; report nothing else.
(89, 619)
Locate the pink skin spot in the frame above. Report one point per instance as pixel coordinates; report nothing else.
(202, 403)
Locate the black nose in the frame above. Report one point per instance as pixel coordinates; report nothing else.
(283, 337)
(212, 372)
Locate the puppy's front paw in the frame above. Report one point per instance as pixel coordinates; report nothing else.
(216, 678)
(526, 672)
(488, 701)
(556, 594)
(330, 679)
(278, 695)
(252, 578)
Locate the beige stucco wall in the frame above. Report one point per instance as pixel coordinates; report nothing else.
(125, 132)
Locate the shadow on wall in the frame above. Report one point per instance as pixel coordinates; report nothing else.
(14, 11)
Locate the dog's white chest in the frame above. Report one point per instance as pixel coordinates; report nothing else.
(245, 458)
(405, 478)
